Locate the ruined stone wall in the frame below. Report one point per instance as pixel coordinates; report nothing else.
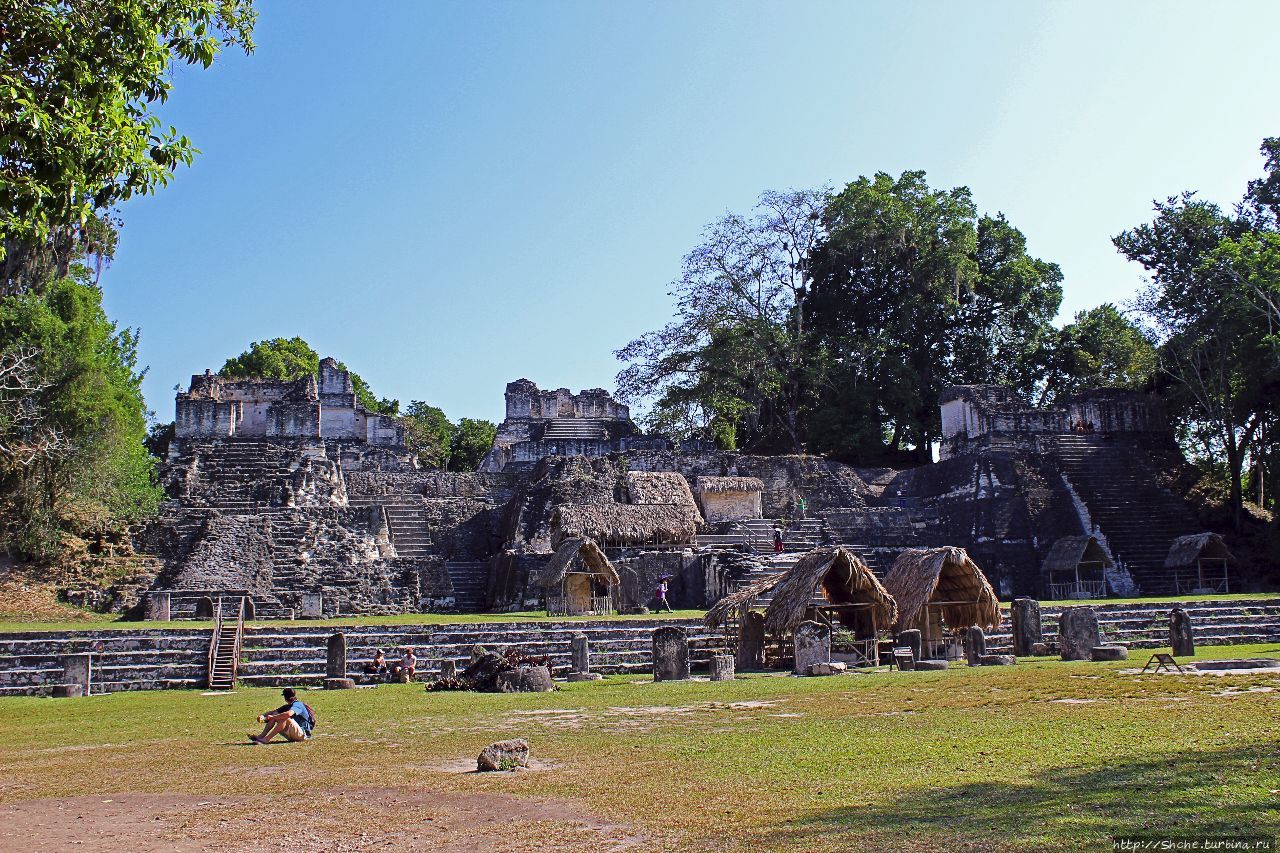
(525, 401)
(730, 506)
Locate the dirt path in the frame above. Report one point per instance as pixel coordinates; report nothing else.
(336, 820)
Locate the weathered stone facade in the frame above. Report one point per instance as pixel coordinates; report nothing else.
(281, 490)
(323, 407)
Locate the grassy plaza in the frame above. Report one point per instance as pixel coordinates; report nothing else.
(1044, 755)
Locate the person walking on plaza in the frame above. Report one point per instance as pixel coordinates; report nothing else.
(661, 594)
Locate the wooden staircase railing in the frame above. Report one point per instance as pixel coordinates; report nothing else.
(224, 646)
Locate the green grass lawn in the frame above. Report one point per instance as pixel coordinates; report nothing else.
(1044, 755)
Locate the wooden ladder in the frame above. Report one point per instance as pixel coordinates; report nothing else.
(224, 645)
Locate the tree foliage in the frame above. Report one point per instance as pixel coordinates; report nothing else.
(289, 359)
(72, 420)
(731, 365)
(1100, 348)
(429, 434)
(913, 291)
(80, 82)
(471, 441)
(1209, 299)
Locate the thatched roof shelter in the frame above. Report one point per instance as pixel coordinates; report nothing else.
(948, 578)
(583, 556)
(738, 602)
(624, 524)
(660, 487)
(1069, 552)
(1188, 551)
(720, 485)
(842, 575)
(844, 579)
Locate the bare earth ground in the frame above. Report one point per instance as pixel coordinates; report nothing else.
(354, 819)
(1042, 756)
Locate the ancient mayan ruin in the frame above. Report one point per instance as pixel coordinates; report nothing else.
(294, 495)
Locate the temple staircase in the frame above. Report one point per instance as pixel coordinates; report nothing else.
(575, 429)
(1121, 491)
(470, 580)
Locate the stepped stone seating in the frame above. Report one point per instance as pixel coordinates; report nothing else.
(1146, 626)
(157, 659)
(297, 656)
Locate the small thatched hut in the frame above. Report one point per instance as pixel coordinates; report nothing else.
(1074, 568)
(660, 488)
(854, 593)
(579, 579)
(622, 525)
(1199, 563)
(941, 591)
(730, 498)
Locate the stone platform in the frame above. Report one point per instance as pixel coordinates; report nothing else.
(159, 659)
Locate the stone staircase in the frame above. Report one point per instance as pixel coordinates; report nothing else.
(1146, 626)
(801, 537)
(575, 429)
(410, 532)
(470, 581)
(1121, 492)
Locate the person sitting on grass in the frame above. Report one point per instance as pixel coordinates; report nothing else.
(407, 668)
(293, 719)
(377, 666)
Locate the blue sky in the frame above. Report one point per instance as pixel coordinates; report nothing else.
(449, 196)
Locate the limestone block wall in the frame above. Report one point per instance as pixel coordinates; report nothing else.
(206, 418)
(730, 506)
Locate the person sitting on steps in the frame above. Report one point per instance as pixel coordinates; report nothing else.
(293, 720)
(377, 666)
(407, 668)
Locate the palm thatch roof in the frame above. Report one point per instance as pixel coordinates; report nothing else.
(1188, 550)
(1070, 551)
(659, 487)
(923, 575)
(581, 555)
(714, 485)
(738, 602)
(844, 578)
(624, 524)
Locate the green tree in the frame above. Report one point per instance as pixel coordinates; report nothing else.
(471, 441)
(731, 366)
(911, 292)
(288, 359)
(429, 434)
(80, 82)
(1217, 349)
(1101, 348)
(72, 420)
(285, 359)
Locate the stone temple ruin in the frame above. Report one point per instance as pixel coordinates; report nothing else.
(293, 495)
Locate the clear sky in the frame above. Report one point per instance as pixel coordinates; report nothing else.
(450, 196)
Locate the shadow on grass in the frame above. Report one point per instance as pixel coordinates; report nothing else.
(1220, 792)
